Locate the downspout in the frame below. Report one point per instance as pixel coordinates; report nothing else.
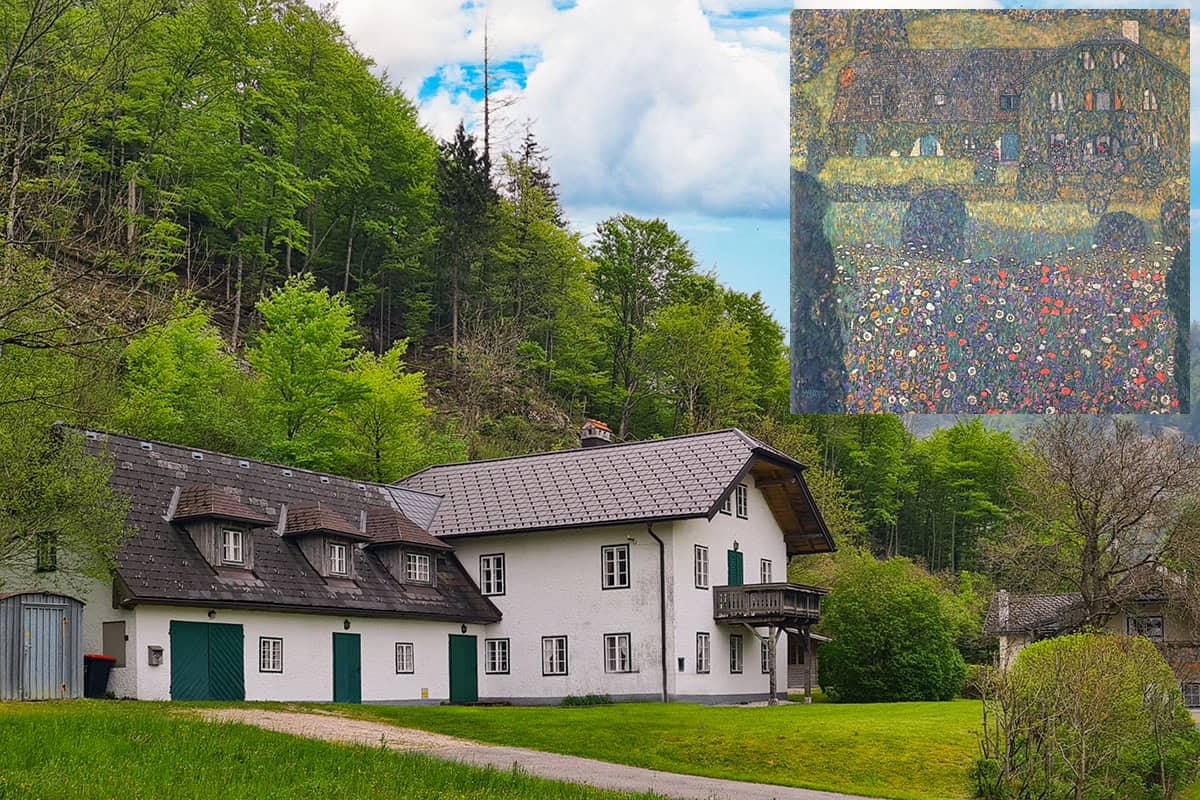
(662, 604)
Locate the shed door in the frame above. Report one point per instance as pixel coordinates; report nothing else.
(929, 145)
(44, 663)
(736, 574)
(347, 668)
(207, 661)
(1008, 147)
(464, 670)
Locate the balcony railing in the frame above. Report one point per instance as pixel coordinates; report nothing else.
(768, 603)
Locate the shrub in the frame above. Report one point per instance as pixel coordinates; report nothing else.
(1086, 715)
(985, 167)
(587, 700)
(1120, 230)
(937, 219)
(891, 638)
(1174, 219)
(1036, 182)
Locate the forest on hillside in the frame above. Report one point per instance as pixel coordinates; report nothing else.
(222, 226)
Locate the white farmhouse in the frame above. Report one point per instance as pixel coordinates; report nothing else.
(645, 571)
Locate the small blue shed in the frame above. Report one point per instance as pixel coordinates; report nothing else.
(41, 646)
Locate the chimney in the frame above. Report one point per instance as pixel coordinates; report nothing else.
(1129, 29)
(594, 434)
(1002, 610)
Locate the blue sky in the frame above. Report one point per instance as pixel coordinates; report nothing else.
(671, 108)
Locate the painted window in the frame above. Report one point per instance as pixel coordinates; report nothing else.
(742, 501)
(764, 570)
(1118, 58)
(554, 655)
(701, 566)
(764, 657)
(1107, 145)
(939, 99)
(1089, 100)
(859, 151)
(270, 654)
(1155, 143)
(405, 658)
(968, 144)
(1086, 59)
(416, 567)
(614, 561)
(46, 552)
(495, 656)
(735, 654)
(1009, 102)
(491, 574)
(1056, 101)
(703, 653)
(1103, 100)
(617, 655)
(1149, 101)
(231, 546)
(1058, 141)
(337, 558)
(876, 99)
(1150, 627)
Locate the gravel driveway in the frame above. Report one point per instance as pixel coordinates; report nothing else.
(572, 769)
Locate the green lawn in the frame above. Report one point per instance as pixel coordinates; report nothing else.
(82, 750)
(901, 750)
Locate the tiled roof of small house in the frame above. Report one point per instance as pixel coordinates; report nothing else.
(215, 502)
(160, 563)
(681, 477)
(387, 526)
(1033, 613)
(318, 517)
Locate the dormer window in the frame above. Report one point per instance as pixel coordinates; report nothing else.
(727, 505)
(417, 567)
(337, 558)
(939, 99)
(876, 99)
(231, 547)
(1009, 102)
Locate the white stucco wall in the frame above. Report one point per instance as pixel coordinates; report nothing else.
(553, 587)
(758, 537)
(307, 654)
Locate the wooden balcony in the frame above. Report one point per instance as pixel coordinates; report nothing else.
(784, 604)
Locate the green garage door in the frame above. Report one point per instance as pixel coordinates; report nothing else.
(207, 661)
(347, 668)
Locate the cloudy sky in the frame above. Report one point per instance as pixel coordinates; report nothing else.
(671, 108)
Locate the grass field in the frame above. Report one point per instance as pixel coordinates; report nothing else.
(902, 750)
(85, 750)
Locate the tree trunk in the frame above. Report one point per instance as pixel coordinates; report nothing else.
(349, 250)
(237, 291)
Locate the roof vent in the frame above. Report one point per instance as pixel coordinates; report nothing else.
(324, 479)
(243, 463)
(147, 446)
(287, 473)
(594, 433)
(92, 436)
(198, 456)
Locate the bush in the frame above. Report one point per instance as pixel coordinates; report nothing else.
(587, 700)
(985, 167)
(1120, 230)
(1086, 715)
(937, 220)
(1174, 219)
(1036, 182)
(891, 637)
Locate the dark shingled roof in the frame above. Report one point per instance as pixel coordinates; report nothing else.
(385, 526)
(213, 502)
(308, 518)
(1033, 613)
(682, 477)
(161, 564)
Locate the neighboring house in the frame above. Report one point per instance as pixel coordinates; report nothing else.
(644, 571)
(1089, 100)
(1018, 620)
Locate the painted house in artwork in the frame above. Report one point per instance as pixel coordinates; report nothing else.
(1090, 101)
(644, 571)
(1019, 620)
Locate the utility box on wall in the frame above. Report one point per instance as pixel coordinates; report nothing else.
(154, 655)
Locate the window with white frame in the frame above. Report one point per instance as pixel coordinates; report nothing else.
(417, 567)
(405, 660)
(876, 99)
(735, 653)
(703, 652)
(491, 574)
(939, 99)
(1118, 58)
(741, 494)
(554, 655)
(726, 505)
(701, 566)
(270, 654)
(1086, 58)
(617, 653)
(337, 558)
(495, 656)
(1056, 101)
(1149, 101)
(614, 562)
(1191, 695)
(764, 656)
(764, 570)
(1150, 627)
(231, 546)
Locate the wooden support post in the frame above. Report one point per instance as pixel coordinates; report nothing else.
(771, 634)
(808, 661)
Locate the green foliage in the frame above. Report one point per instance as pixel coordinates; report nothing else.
(891, 637)
(1086, 716)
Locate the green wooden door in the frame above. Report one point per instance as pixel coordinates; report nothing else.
(464, 674)
(347, 668)
(207, 661)
(735, 568)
